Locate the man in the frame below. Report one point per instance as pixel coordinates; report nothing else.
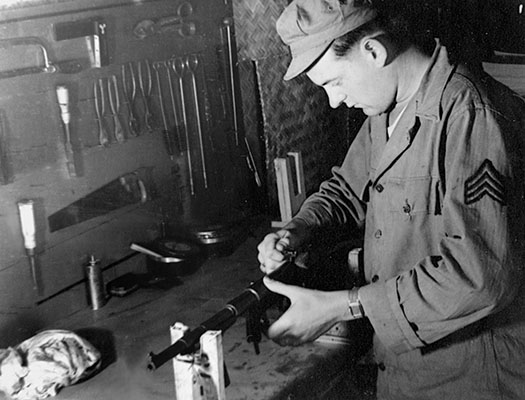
(436, 178)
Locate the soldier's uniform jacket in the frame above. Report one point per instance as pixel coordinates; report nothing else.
(443, 207)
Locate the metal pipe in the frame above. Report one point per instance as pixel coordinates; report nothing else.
(227, 22)
(178, 67)
(192, 62)
(173, 104)
(166, 133)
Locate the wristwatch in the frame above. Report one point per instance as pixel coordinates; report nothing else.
(354, 305)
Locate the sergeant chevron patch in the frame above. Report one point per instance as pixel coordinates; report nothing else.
(486, 181)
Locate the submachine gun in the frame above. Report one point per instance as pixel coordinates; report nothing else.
(254, 301)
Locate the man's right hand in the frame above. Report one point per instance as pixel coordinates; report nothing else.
(273, 249)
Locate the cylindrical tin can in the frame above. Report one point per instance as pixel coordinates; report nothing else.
(95, 282)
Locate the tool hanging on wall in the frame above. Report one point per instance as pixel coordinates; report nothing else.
(100, 110)
(176, 119)
(177, 64)
(48, 66)
(227, 40)
(94, 32)
(114, 105)
(192, 63)
(6, 173)
(129, 85)
(168, 139)
(28, 225)
(63, 102)
(251, 163)
(128, 189)
(183, 200)
(173, 23)
(145, 85)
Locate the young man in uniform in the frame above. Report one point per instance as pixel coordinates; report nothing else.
(435, 177)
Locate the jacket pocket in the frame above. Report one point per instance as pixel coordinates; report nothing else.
(412, 196)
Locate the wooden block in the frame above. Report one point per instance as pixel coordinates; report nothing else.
(292, 193)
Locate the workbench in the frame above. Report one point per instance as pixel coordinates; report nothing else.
(127, 328)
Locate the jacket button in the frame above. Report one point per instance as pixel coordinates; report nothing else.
(375, 278)
(407, 208)
(380, 188)
(381, 366)
(378, 234)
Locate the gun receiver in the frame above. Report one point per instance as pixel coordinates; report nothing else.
(255, 296)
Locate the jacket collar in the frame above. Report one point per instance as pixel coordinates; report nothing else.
(428, 97)
(426, 104)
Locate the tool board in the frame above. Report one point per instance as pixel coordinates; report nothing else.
(141, 94)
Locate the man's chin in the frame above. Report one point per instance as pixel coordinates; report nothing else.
(371, 112)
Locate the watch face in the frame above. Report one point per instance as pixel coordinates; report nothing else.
(356, 309)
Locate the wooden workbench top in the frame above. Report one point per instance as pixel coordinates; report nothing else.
(128, 328)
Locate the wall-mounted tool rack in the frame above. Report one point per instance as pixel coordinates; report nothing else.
(91, 91)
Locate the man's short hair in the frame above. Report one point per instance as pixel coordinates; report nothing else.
(392, 27)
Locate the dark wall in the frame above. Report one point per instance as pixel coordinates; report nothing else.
(34, 161)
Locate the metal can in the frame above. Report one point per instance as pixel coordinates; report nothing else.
(95, 282)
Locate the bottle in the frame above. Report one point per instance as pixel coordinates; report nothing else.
(95, 281)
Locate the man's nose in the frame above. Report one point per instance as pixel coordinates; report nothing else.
(335, 99)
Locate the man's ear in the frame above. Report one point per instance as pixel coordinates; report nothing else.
(375, 50)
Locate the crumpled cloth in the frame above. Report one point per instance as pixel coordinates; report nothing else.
(41, 365)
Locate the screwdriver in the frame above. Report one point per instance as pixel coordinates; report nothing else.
(63, 102)
(27, 222)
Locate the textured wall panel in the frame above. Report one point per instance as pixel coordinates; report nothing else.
(294, 115)
(255, 28)
(297, 117)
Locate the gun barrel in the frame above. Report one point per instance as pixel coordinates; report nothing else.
(254, 294)
(181, 346)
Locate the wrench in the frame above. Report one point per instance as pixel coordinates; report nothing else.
(192, 63)
(166, 133)
(114, 104)
(100, 109)
(130, 93)
(173, 104)
(177, 64)
(145, 90)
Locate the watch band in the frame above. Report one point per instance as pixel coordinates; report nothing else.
(354, 305)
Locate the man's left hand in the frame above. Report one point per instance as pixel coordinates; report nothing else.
(311, 313)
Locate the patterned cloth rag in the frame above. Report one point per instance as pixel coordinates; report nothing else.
(41, 365)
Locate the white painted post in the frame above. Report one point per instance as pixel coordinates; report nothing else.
(182, 366)
(211, 346)
(194, 378)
